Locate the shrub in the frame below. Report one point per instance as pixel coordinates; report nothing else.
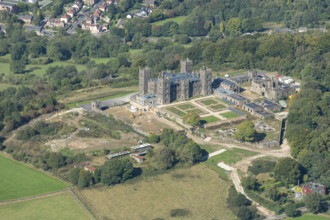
(261, 166)
(26, 133)
(291, 211)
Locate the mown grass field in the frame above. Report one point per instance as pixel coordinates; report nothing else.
(196, 193)
(179, 20)
(176, 111)
(18, 181)
(230, 114)
(61, 206)
(210, 119)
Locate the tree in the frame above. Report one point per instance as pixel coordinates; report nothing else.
(244, 213)
(236, 199)
(313, 202)
(74, 176)
(249, 183)
(192, 118)
(288, 171)
(246, 132)
(116, 171)
(153, 138)
(291, 211)
(164, 158)
(82, 181)
(273, 194)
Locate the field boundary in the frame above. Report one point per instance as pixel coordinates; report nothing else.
(33, 197)
(82, 204)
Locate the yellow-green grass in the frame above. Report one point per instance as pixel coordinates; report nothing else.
(210, 119)
(100, 60)
(179, 20)
(217, 107)
(75, 104)
(60, 206)
(176, 111)
(309, 217)
(196, 110)
(230, 114)
(208, 101)
(18, 181)
(197, 190)
(185, 106)
(38, 70)
(229, 157)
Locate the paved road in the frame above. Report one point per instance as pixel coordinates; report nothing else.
(112, 102)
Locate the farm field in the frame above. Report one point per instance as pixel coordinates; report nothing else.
(310, 217)
(179, 20)
(190, 193)
(18, 181)
(60, 206)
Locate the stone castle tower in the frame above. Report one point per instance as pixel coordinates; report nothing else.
(144, 77)
(206, 79)
(95, 105)
(163, 89)
(186, 66)
(184, 87)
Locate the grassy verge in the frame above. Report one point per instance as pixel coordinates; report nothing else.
(18, 181)
(62, 206)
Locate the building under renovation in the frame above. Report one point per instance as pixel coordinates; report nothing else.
(168, 87)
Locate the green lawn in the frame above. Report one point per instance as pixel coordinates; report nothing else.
(309, 217)
(196, 110)
(217, 107)
(208, 102)
(100, 60)
(62, 206)
(18, 181)
(185, 106)
(210, 119)
(179, 20)
(230, 114)
(176, 111)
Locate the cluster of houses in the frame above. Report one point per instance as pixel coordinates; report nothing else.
(72, 12)
(143, 13)
(308, 188)
(91, 20)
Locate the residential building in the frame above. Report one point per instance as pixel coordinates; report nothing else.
(90, 2)
(65, 18)
(89, 168)
(55, 23)
(136, 157)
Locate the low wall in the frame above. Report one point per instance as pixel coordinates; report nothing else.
(261, 144)
(218, 124)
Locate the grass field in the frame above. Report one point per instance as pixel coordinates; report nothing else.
(176, 111)
(18, 181)
(229, 157)
(179, 20)
(210, 119)
(309, 217)
(185, 106)
(61, 206)
(196, 110)
(196, 193)
(217, 107)
(208, 102)
(230, 114)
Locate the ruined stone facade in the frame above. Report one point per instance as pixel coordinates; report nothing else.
(168, 87)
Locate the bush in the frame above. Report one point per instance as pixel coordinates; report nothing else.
(244, 213)
(26, 133)
(261, 166)
(313, 202)
(291, 211)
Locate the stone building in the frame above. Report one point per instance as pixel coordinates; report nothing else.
(269, 87)
(168, 87)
